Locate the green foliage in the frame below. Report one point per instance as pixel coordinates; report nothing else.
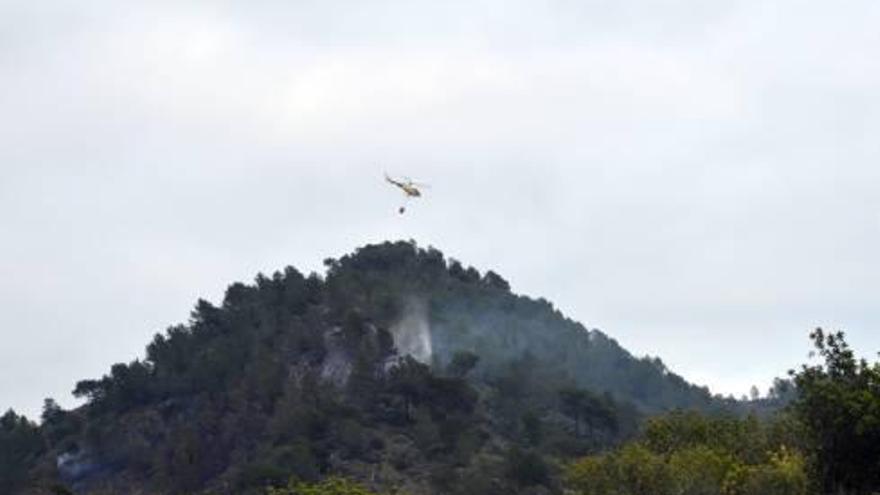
(748, 439)
(58, 424)
(785, 474)
(532, 430)
(692, 454)
(588, 409)
(57, 489)
(20, 445)
(330, 486)
(462, 363)
(261, 474)
(838, 402)
(632, 470)
(417, 385)
(698, 469)
(527, 467)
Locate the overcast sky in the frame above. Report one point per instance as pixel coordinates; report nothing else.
(697, 179)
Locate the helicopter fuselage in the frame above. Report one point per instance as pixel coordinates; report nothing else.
(409, 189)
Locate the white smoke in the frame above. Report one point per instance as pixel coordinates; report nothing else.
(412, 332)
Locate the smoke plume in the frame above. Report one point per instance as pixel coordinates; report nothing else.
(412, 332)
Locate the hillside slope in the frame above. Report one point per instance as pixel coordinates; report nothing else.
(399, 368)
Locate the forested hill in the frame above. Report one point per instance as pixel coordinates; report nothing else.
(398, 368)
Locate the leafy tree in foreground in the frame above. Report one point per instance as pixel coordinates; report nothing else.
(630, 470)
(838, 401)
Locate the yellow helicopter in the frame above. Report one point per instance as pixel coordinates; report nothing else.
(410, 188)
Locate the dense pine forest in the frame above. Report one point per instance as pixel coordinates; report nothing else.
(401, 371)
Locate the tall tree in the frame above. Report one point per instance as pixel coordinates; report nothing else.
(20, 444)
(839, 403)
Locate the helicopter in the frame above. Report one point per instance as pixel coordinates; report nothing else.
(409, 188)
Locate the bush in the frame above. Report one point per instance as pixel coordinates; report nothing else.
(783, 475)
(330, 486)
(688, 454)
(699, 470)
(632, 470)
